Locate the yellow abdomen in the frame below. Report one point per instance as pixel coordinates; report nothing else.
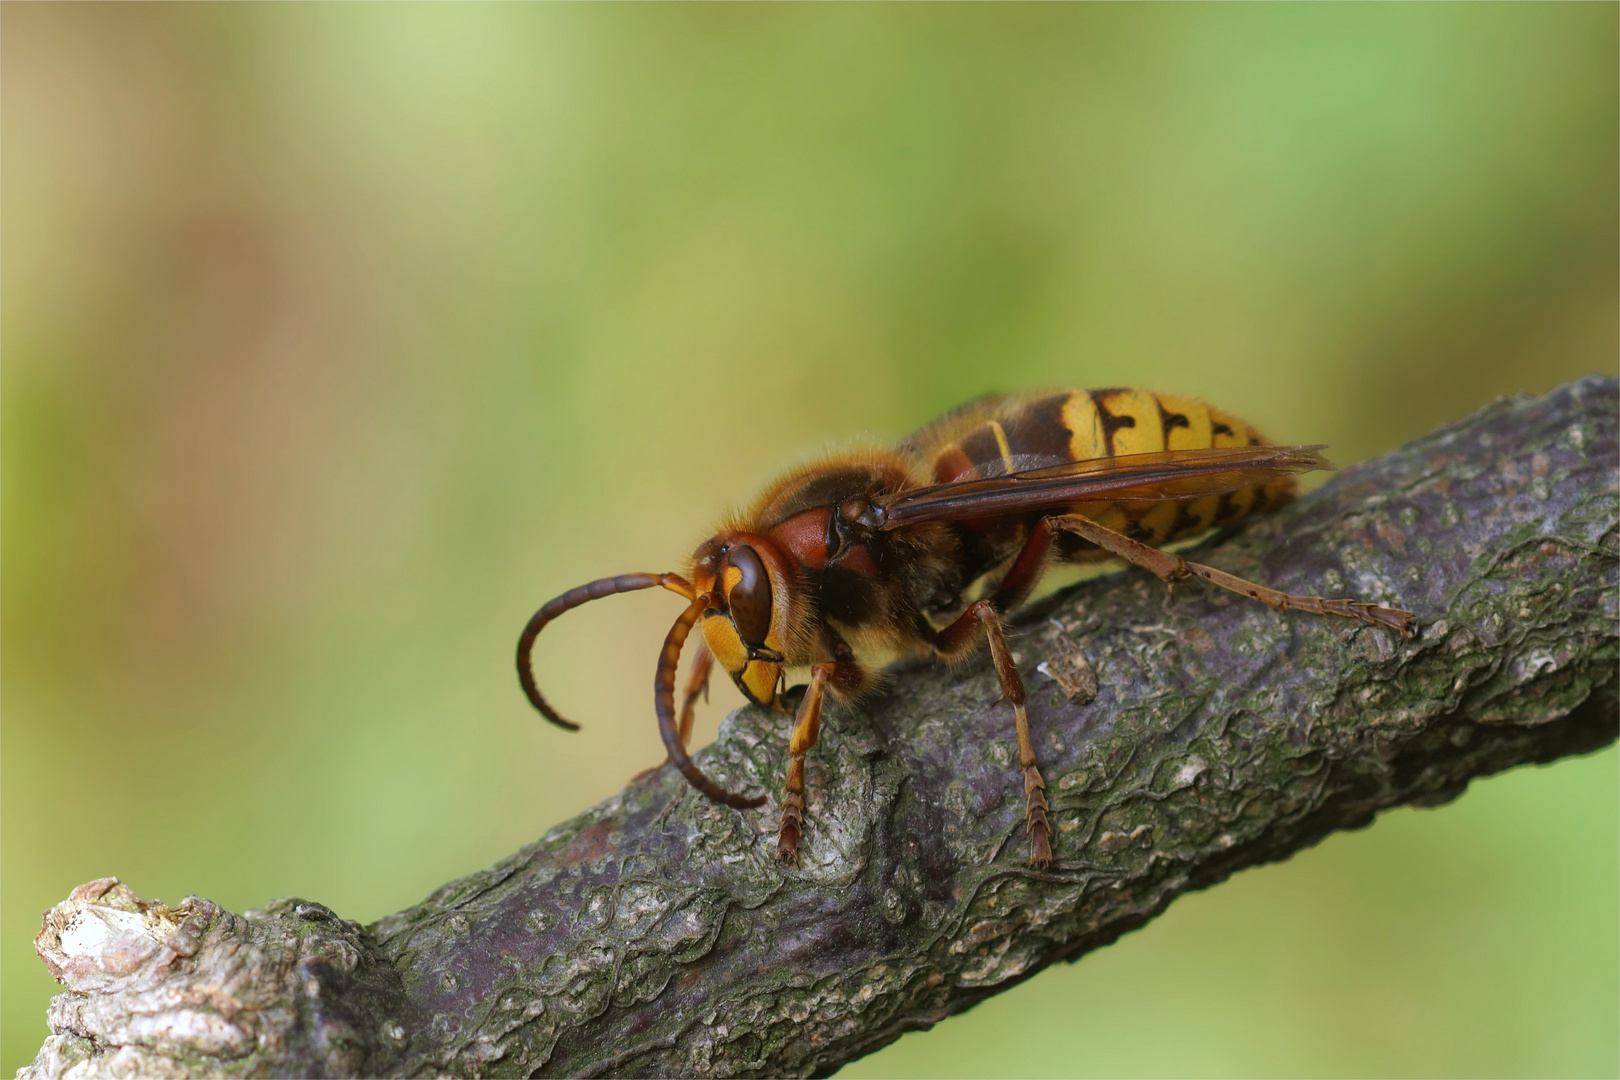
(997, 436)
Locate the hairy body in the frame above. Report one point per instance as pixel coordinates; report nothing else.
(850, 561)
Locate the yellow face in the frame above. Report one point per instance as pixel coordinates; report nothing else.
(757, 679)
(743, 627)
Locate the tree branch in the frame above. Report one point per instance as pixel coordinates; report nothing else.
(656, 935)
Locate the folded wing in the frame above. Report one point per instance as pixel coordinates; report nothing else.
(1167, 475)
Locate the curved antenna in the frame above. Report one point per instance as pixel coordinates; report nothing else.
(664, 702)
(569, 600)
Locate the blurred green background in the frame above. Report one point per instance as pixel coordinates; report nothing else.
(336, 338)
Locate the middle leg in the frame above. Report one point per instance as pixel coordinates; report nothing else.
(956, 638)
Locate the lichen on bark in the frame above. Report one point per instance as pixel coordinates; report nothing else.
(655, 934)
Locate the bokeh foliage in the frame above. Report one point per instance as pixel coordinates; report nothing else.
(337, 338)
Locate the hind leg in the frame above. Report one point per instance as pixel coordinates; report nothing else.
(1172, 568)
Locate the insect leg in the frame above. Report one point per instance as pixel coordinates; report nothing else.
(983, 613)
(1172, 568)
(1024, 574)
(846, 675)
(697, 683)
(1026, 570)
(806, 730)
(1012, 688)
(1373, 614)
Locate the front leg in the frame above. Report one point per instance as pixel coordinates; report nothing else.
(846, 675)
(806, 729)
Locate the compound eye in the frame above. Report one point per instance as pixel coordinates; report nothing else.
(748, 594)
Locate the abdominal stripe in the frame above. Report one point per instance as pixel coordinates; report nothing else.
(1110, 422)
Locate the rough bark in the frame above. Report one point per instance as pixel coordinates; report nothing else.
(656, 935)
